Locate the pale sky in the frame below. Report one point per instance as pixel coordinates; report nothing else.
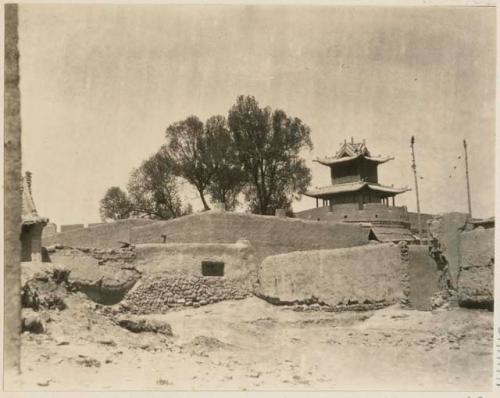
(100, 84)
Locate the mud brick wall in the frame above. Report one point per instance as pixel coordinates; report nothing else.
(159, 293)
(447, 229)
(268, 235)
(100, 236)
(476, 276)
(186, 259)
(356, 276)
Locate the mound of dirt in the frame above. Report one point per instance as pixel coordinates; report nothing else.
(105, 276)
(43, 286)
(201, 345)
(103, 284)
(141, 325)
(32, 322)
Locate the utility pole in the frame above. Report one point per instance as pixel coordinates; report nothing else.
(414, 167)
(467, 178)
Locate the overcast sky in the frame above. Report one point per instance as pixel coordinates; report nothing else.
(100, 83)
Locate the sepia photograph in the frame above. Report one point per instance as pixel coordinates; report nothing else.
(249, 197)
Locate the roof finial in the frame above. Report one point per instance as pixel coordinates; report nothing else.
(28, 180)
(352, 139)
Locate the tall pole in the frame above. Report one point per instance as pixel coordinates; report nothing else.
(12, 201)
(467, 178)
(414, 167)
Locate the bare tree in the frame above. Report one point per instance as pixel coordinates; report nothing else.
(268, 144)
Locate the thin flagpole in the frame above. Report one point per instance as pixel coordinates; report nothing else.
(467, 178)
(414, 167)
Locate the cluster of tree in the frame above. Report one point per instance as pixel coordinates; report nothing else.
(254, 153)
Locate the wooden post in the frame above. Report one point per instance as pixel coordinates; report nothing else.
(393, 201)
(467, 178)
(414, 167)
(317, 203)
(12, 201)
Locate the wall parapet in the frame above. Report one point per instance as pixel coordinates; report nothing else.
(351, 213)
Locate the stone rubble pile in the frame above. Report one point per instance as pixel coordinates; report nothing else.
(405, 280)
(315, 304)
(115, 255)
(158, 293)
(139, 325)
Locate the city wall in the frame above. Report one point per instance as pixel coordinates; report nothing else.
(268, 235)
(100, 236)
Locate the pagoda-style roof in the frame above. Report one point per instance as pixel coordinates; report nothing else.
(351, 151)
(353, 187)
(331, 161)
(29, 212)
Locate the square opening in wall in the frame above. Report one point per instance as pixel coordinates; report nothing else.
(212, 268)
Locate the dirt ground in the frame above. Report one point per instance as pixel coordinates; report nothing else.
(252, 345)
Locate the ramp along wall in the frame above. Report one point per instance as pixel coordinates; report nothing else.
(268, 235)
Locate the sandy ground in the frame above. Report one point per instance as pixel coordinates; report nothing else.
(253, 345)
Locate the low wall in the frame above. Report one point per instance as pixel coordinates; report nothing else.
(172, 275)
(101, 236)
(268, 235)
(339, 278)
(186, 259)
(476, 276)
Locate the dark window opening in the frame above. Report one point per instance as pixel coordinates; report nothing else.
(212, 268)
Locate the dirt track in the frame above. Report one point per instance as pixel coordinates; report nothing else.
(250, 344)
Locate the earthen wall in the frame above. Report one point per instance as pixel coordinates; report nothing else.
(268, 235)
(364, 275)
